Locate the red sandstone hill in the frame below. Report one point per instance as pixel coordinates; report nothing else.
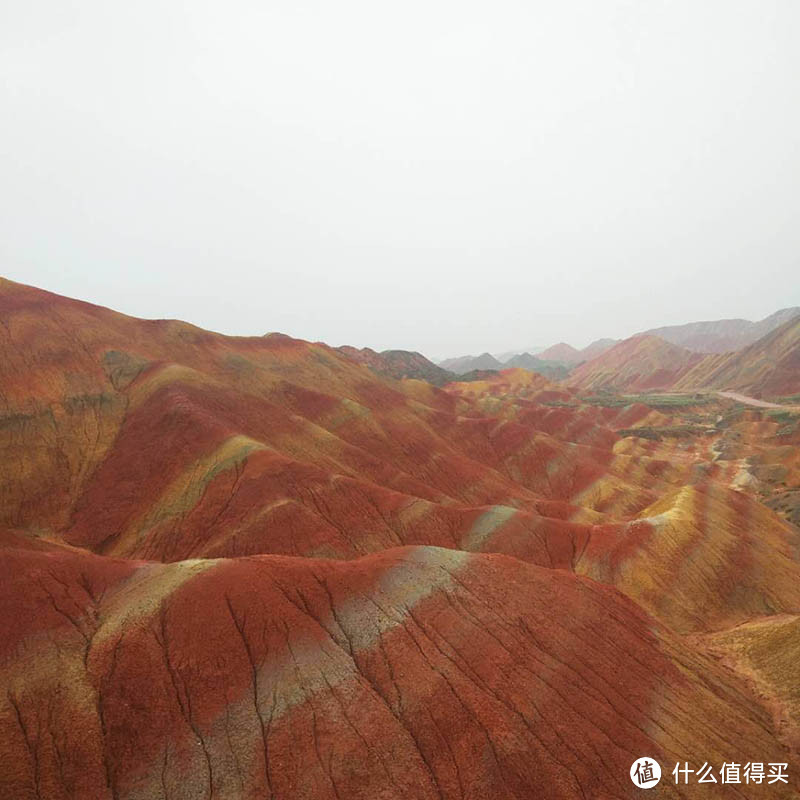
(399, 364)
(415, 673)
(561, 352)
(641, 363)
(253, 567)
(596, 348)
(769, 367)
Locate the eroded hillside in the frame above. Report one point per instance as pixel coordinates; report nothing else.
(254, 567)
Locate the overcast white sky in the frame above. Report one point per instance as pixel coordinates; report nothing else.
(450, 177)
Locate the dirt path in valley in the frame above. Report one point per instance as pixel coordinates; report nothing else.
(753, 401)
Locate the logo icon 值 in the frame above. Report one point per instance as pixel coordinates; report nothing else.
(645, 772)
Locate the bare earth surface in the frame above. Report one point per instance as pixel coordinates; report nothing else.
(752, 401)
(256, 568)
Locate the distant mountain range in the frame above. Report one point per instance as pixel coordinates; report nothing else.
(641, 363)
(760, 357)
(464, 364)
(769, 367)
(554, 362)
(468, 364)
(506, 356)
(562, 353)
(399, 364)
(651, 361)
(714, 336)
(723, 335)
(549, 369)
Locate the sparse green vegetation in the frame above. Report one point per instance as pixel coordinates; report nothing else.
(642, 433)
(667, 432)
(790, 400)
(609, 401)
(653, 400)
(788, 420)
(781, 416)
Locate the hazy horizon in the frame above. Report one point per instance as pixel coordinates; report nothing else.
(442, 177)
(533, 349)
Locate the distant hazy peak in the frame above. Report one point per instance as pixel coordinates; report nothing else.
(723, 335)
(563, 352)
(468, 363)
